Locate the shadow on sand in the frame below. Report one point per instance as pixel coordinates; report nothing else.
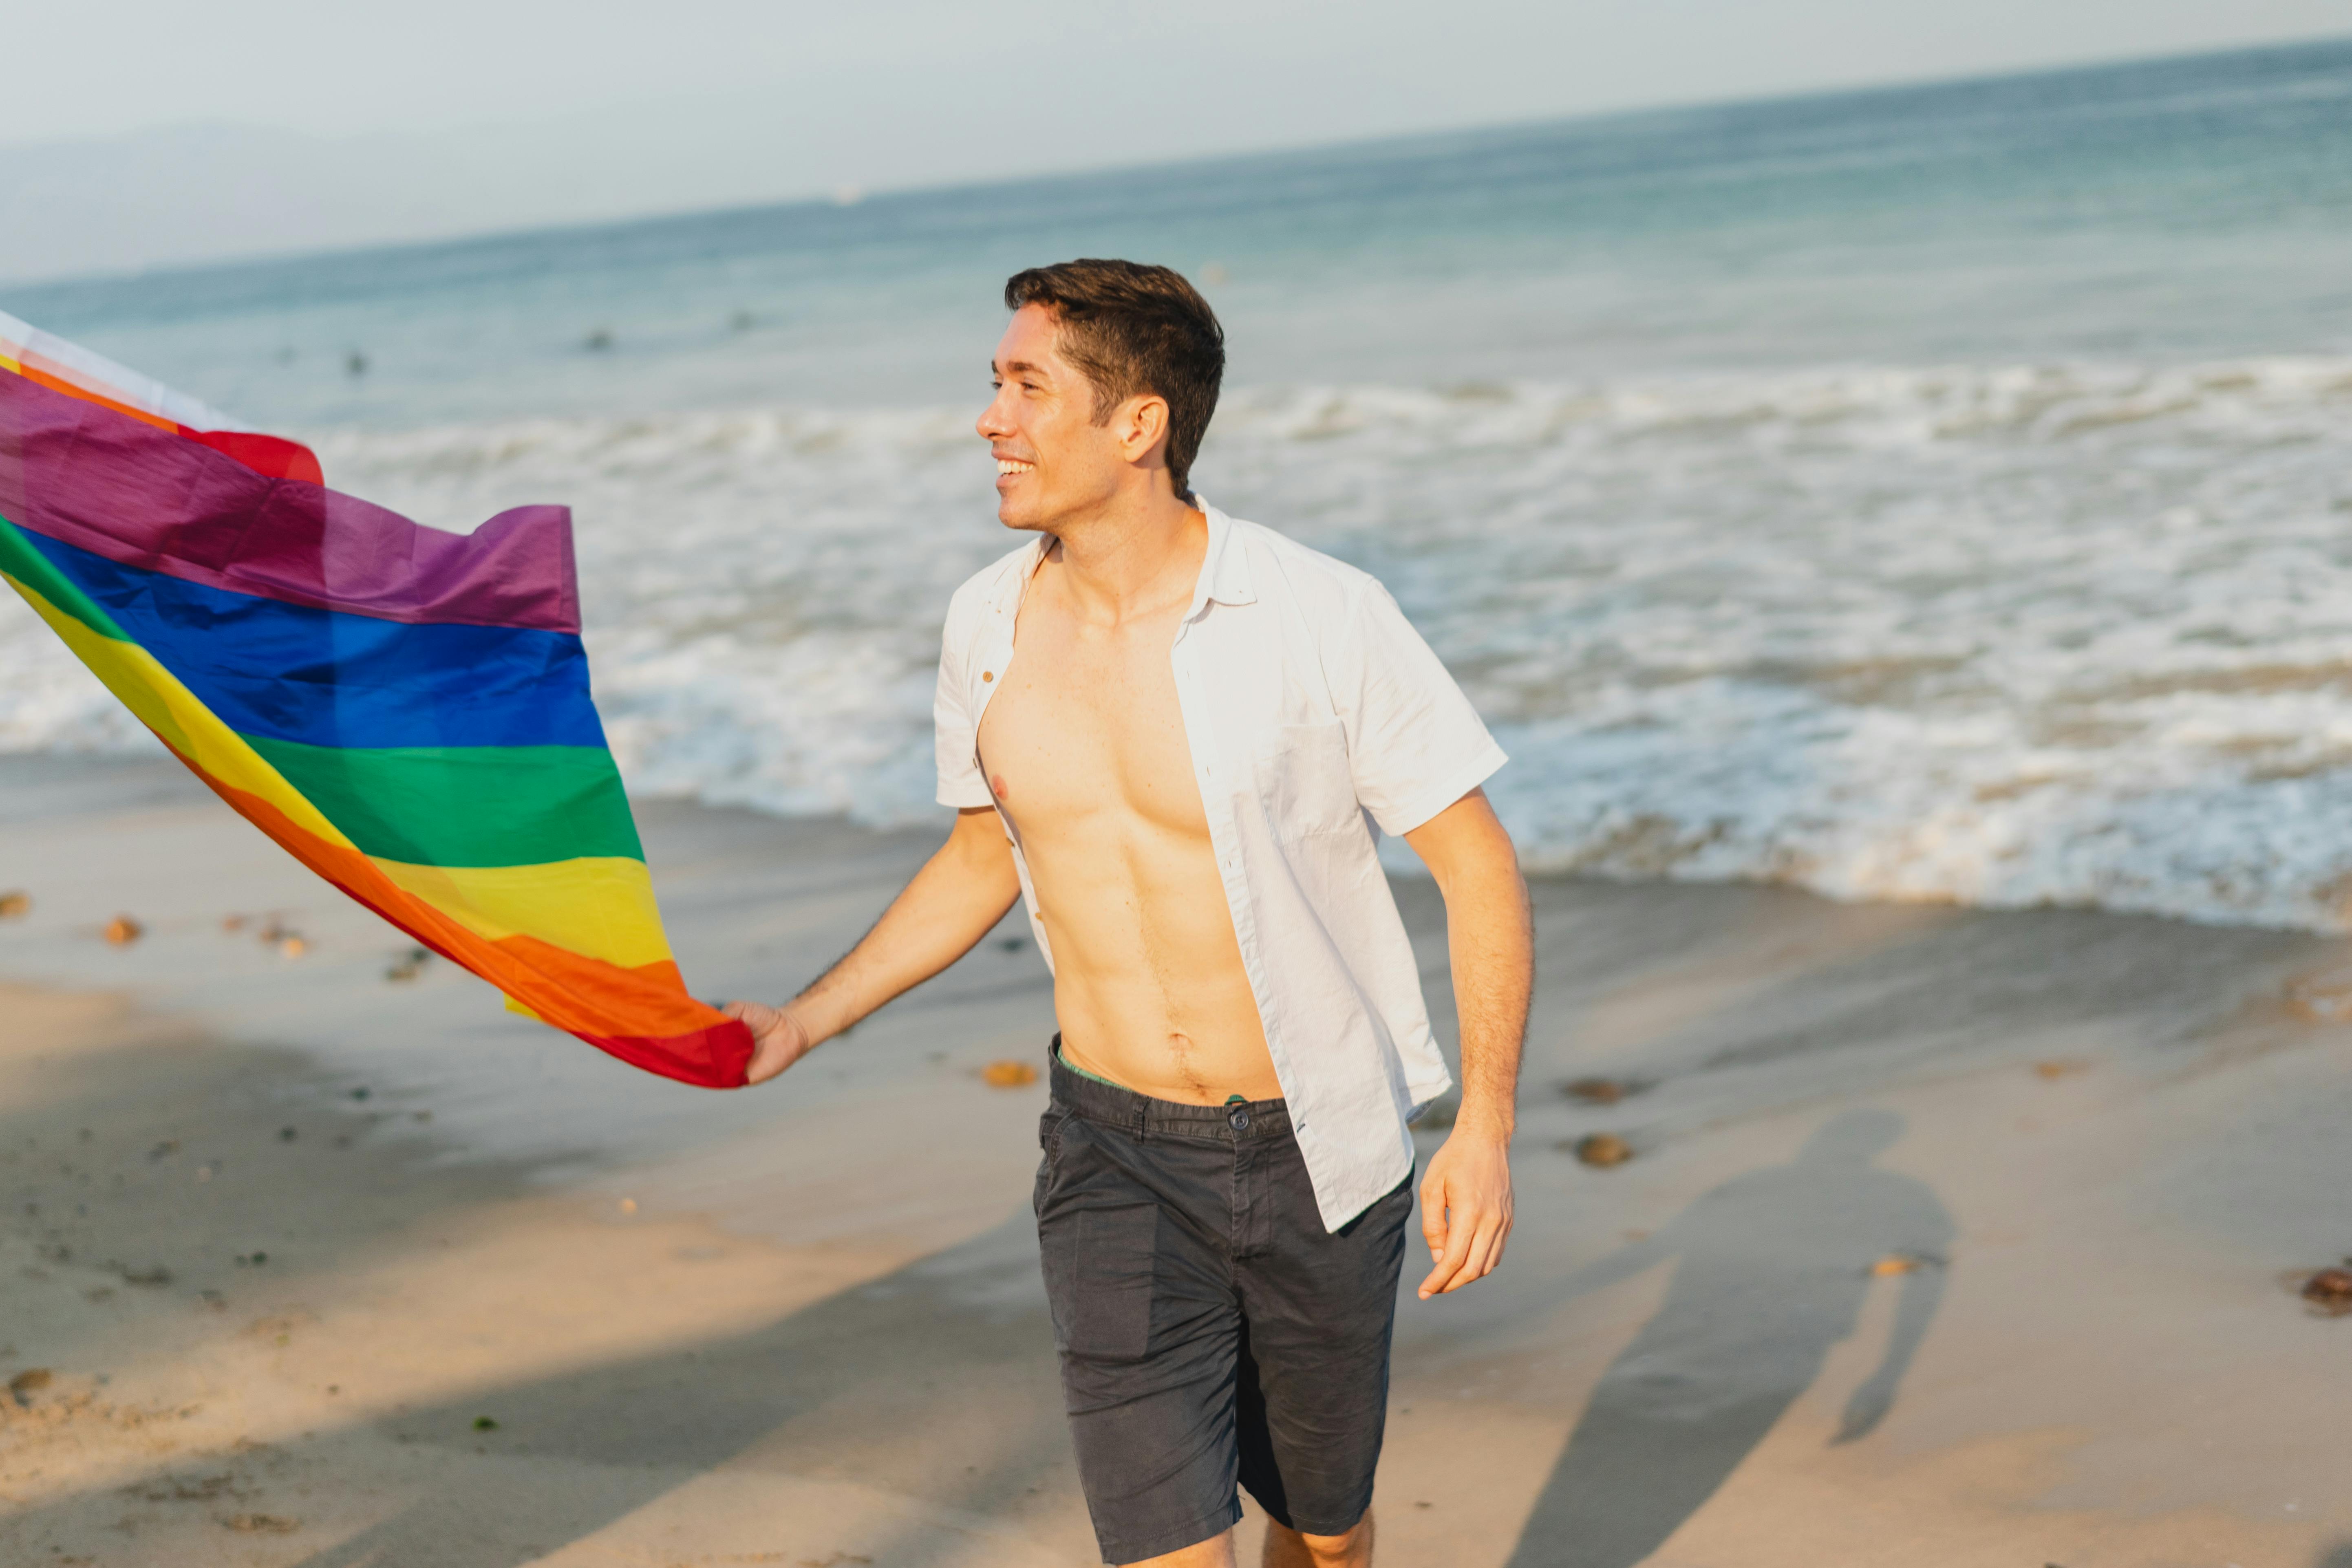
(1771, 1271)
(934, 1384)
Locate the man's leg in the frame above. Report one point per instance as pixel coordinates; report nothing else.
(1312, 1378)
(1286, 1548)
(1130, 1223)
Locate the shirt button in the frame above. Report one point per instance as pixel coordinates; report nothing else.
(988, 674)
(1239, 1119)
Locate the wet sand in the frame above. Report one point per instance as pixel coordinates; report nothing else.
(1948, 1238)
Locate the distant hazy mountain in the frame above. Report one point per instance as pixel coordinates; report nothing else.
(199, 192)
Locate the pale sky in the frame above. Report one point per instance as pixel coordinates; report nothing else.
(138, 132)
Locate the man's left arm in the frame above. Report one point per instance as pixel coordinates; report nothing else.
(1466, 1197)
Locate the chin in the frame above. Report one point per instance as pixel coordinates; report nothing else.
(1012, 514)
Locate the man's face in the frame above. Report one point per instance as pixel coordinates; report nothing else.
(1051, 459)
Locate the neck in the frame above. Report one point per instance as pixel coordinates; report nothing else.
(1131, 556)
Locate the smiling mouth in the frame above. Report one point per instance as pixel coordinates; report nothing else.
(1013, 466)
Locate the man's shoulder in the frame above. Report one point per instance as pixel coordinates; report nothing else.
(1317, 582)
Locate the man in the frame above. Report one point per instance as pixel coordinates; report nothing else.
(1167, 731)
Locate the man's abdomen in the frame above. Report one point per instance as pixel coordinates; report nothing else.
(1149, 985)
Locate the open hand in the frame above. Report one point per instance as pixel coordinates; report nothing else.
(778, 1038)
(1465, 1210)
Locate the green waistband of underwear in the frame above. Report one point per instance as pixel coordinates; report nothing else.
(1096, 1075)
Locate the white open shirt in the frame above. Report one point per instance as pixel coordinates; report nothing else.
(1318, 719)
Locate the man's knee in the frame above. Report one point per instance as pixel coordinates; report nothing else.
(1286, 1546)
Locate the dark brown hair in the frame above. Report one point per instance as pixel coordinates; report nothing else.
(1133, 329)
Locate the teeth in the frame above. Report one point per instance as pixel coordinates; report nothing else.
(1012, 466)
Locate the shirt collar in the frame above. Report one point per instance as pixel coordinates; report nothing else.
(1225, 569)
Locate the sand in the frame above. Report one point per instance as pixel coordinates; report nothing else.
(1949, 1237)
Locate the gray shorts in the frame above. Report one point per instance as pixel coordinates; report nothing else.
(1210, 1330)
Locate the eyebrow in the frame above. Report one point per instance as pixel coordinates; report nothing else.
(1014, 367)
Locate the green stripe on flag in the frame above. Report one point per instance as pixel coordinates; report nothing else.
(29, 568)
(465, 806)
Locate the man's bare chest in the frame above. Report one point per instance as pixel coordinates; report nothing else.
(1087, 729)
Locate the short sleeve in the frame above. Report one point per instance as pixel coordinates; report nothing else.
(955, 739)
(1414, 743)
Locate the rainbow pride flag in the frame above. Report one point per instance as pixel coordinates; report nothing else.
(406, 711)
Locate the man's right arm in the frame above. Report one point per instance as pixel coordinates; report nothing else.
(954, 900)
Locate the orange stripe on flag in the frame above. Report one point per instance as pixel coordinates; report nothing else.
(55, 382)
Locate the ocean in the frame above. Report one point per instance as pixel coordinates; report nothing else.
(1939, 492)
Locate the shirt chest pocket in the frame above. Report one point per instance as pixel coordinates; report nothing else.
(1304, 783)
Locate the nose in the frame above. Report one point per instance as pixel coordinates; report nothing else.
(993, 423)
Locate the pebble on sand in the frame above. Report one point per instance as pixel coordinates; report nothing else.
(261, 1524)
(32, 1380)
(1008, 1074)
(123, 931)
(1603, 1150)
(2330, 1292)
(2322, 998)
(1594, 1091)
(15, 904)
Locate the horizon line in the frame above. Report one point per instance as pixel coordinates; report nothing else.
(851, 195)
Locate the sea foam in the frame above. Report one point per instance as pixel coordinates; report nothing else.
(2073, 634)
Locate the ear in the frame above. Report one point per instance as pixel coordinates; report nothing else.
(1142, 426)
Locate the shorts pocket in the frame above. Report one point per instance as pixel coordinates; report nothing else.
(1049, 1132)
(1049, 1146)
(1100, 1263)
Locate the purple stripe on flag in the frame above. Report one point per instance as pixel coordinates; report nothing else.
(142, 496)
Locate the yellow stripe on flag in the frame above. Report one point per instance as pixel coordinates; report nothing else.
(596, 907)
